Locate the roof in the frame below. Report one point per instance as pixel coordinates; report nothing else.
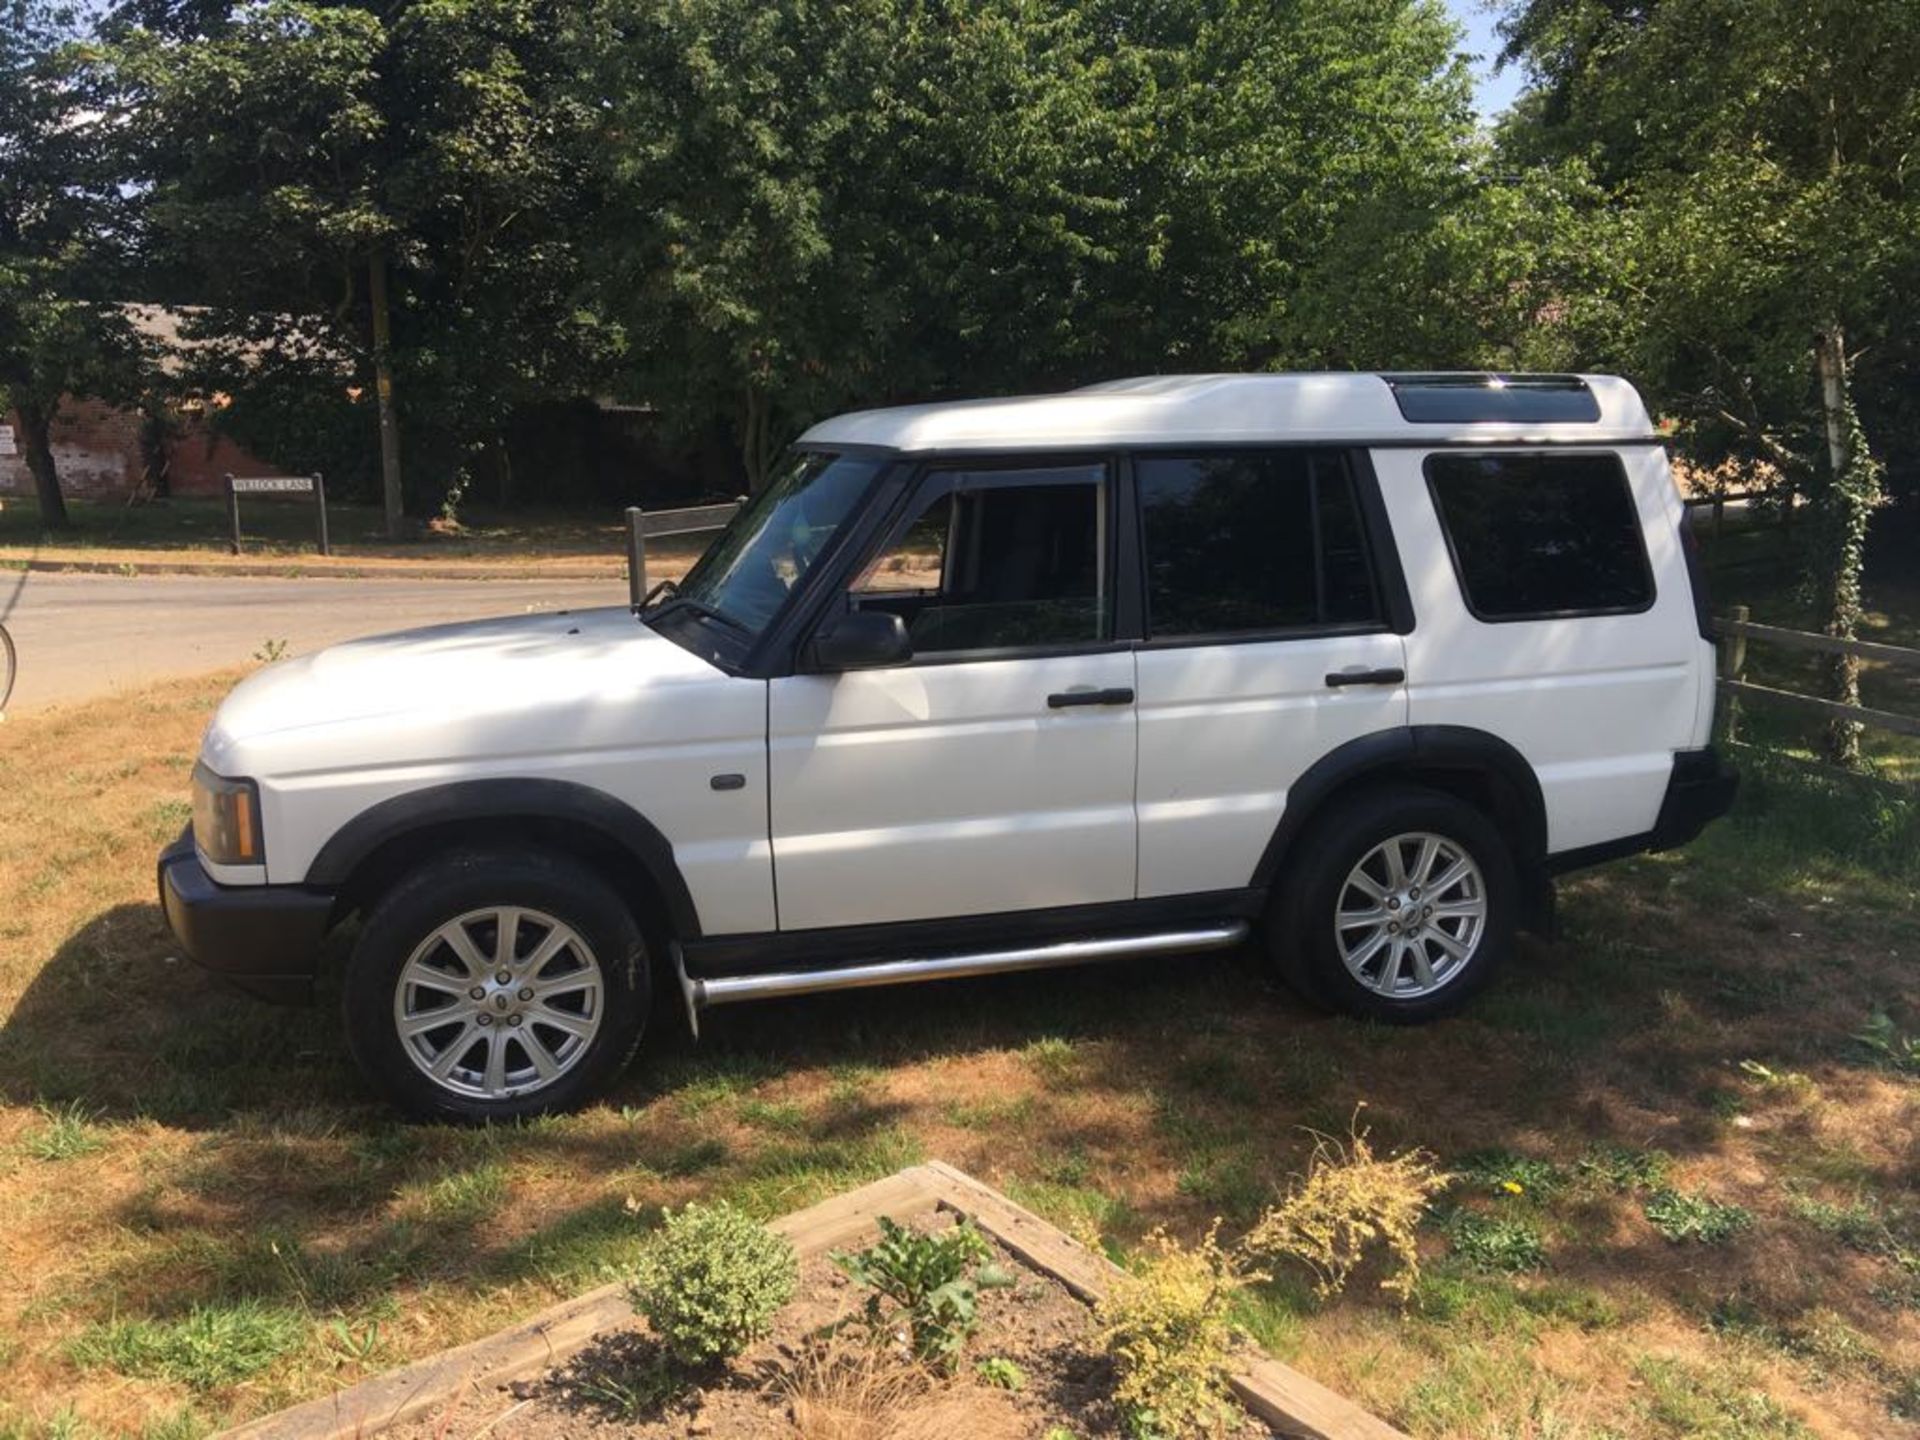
(1212, 409)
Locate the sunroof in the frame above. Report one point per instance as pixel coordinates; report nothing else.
(1465, 399)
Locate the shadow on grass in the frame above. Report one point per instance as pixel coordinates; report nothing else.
(1129, 1095)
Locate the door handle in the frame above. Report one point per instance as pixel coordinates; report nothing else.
(1067, 699)
(1366, 677)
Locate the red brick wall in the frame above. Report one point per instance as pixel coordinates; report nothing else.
(96, 448)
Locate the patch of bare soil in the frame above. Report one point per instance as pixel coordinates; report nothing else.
(817, 1377)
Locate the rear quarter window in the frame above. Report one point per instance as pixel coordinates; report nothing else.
(1535, 537)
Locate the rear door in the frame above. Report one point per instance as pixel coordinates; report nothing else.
(1271, 640)
(994, 772)
(1555, 614)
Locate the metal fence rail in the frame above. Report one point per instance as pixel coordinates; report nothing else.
(1735, 630)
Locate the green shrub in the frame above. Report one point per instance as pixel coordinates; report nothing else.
(935, 1281)
(1685, 1218)
(710, 1281)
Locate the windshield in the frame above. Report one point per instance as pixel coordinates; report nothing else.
(747, 574)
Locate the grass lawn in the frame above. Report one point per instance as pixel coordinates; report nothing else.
(283, 529)
(1689, 1193)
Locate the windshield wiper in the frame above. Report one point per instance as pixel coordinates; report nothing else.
(658, 595)
(695, 607)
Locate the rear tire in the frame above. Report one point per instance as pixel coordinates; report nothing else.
(490, 985)
(1400, 906)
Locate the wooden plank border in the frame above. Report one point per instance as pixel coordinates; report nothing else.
(559, 1331)
(1290, 1402)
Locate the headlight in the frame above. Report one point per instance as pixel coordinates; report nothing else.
(226, 818)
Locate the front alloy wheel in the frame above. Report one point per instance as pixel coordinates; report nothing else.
(498, 1002)
(492, 984)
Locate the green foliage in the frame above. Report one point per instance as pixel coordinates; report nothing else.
(1618, 1169)
(1891, 1047)
(1685, 1218)
(710, 1281)
(1490, 1242)
(933, 1280)
(67, 1134)
(1167, 1322)
(210, 1347)
(1501, 1172)
(1001, 1373)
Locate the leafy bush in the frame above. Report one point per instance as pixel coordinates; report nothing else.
(1350, 1202)
(710, 1281)
(1684, 1218)
(1165, 1322)
(935, 1281)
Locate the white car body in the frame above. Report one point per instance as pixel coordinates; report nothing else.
(792, 800)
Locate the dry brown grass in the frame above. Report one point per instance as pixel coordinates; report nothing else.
(222, 1154)
(865, 1392)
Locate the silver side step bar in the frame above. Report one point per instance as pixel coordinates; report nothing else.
(734, 989)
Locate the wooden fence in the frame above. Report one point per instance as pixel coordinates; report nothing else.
(644, 524)
(1734, 631)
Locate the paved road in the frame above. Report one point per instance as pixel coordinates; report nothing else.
(79, 636)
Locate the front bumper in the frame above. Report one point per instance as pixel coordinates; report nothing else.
(264, 938)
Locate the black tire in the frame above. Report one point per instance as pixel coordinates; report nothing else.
(461, 884)
(1301, 929)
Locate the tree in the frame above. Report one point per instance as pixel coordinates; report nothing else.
(816, 206)
(63, 233)
(1757, 161)
(398, 184)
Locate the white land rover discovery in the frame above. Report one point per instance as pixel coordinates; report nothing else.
(1359, 660)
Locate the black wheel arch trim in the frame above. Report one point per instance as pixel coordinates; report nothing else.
(1443, 747)
(508, 800)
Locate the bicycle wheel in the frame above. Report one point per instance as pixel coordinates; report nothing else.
(6, 666)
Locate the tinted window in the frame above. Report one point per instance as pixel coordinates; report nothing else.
(1540, 535)
(996, 559)
(1249, 541)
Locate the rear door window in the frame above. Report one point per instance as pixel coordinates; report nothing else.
(1541, 536)
(1247, 542)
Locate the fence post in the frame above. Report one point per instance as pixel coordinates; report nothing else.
(636, 558)
(233, 516)
(1733, 666)
(320, 499)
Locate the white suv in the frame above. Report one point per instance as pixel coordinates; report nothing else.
(1361, 660)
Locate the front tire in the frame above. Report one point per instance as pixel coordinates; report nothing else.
(1400, 907)
(489, 985)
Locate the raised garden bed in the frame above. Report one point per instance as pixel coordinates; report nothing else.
(580, 1369)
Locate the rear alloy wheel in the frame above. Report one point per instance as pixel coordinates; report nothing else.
(490, 985)
(1400, 905)
(1411, 915)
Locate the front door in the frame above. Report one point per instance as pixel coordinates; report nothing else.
(995, 770)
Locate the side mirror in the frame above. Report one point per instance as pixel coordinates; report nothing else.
(862, 640)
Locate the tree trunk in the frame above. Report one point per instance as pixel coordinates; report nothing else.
(35, 422)
(756, 428)
(1853, 493)
(383, 390)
